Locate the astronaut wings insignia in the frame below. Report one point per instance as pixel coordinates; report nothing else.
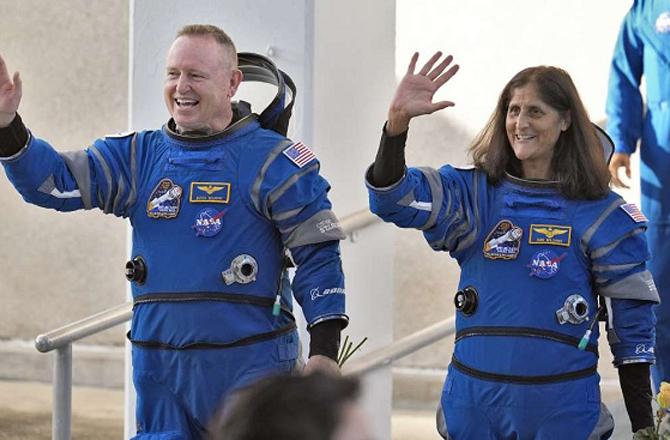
(210, 189)
(209, 192)
(557, 235)
(550, 232)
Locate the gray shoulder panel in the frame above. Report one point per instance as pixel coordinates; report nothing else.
(107, 206)
(132, 196)
(435, 182)
(322, 226)
(286, 214)
(588, 233)
(603, 250)
(470, 238)
(256, 186)
(77, 163)
(638, 286)
(117, 205)
(281, 190)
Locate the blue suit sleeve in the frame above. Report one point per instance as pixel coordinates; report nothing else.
(443, 204)
(624, 101)
(98, 177)
(295, 200)
(619, 253)
(631, 331)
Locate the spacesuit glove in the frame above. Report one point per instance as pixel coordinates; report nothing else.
(389, 165)
(324, 338)
(636, 388)
(13, 137)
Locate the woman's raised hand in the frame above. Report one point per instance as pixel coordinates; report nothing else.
(414, 95)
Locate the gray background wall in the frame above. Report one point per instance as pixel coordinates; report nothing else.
(57, 268)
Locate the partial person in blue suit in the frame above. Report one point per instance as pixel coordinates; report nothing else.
(643, 50)
(545, 250)
(220, 208)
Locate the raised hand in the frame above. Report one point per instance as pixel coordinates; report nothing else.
(414, 95)
(10, 94)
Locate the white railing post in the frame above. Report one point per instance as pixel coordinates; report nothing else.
(62, 393)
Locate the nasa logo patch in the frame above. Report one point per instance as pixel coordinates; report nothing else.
(208, 223)
(503, 242)
(164, 200)
(545, 264)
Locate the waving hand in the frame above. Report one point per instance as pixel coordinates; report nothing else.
(414, 95)
(10, 94)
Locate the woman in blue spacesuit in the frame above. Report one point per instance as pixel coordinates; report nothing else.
(539, 238)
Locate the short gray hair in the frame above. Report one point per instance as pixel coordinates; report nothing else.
(215, 32)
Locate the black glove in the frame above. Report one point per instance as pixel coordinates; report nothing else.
(636, 388)
(389, 165)
(325, 338)
(13, 137)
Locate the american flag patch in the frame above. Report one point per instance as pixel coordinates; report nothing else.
(634, 212)
(299, 154)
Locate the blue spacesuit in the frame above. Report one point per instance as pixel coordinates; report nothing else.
(212, 218)
(643, 48)
(532, 265)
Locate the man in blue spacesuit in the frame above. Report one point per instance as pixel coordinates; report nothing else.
(643, 49)
(538, 236)
(220, 207)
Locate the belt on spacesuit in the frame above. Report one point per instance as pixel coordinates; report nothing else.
(524, 332)
(523, 380)
(207, 296)
(211, 296)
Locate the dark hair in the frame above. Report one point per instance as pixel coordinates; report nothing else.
(209, 30)
(577, 163)
(286, 407)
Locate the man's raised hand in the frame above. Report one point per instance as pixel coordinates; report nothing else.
(10, 94)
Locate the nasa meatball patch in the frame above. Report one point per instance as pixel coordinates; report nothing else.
(503, 242)
(545, 264)
(208, 222)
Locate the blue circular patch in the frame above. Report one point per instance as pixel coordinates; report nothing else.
(208, 223)
(545, 264)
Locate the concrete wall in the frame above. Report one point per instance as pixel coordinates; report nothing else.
(353, 73)
(56, 268)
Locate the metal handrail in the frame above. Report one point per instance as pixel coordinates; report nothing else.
(400, 348)
(84, 327)
(61, 339)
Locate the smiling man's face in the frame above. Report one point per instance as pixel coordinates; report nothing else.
(201, 79)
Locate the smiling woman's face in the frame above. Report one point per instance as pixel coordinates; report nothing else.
(533, 128)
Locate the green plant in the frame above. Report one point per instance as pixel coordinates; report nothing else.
(346, 350)
(660, 430)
